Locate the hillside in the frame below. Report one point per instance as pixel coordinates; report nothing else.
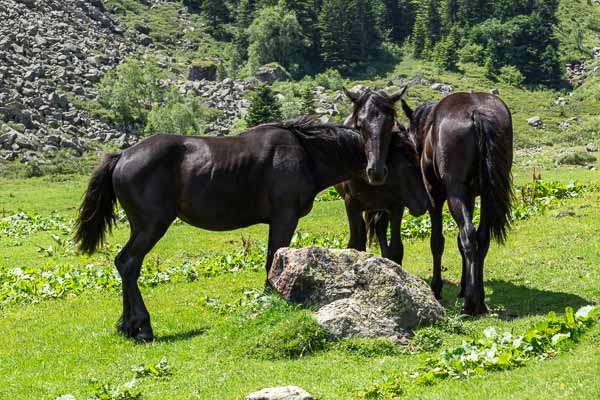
(181, 69)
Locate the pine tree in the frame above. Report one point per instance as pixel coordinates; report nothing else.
(445, 55)
(334, 32)
(348, 32)
(216, 13)
(434, 22)
(264, 107)
(307, 12)
(420, 35)
(308, 102)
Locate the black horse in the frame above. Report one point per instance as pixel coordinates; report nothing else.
(270, 175)
(403, 188)
(466, 146)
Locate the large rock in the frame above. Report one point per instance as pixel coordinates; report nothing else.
(200, 70)
(271, 72)
(355, 294)
(281, 393)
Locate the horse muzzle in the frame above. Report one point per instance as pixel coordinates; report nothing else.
(377, 176)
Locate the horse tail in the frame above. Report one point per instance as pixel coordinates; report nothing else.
(495, 178)
(371, 223)
(97, 211)
(372, 218)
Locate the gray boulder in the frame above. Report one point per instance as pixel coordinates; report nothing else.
(270, 73)
(280, 393)
(200, 70)
(354, 294)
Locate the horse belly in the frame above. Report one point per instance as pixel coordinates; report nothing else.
(221, 206)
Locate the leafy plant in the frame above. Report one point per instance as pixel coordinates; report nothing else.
(492, 351)
(158, 371)
(126, 391)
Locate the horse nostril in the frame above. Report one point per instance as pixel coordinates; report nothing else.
(385, 171)
(370, 171)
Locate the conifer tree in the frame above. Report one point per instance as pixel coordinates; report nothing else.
(445, 55)
(308, 102)
(420, 35)
(264, 107)
(334, 32)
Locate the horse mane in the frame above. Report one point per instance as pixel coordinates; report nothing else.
(325, 142)
(420, 117)
(402, 142)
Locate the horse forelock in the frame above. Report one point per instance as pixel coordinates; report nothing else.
(379, 98)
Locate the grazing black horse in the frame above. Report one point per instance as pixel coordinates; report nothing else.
(270, 175)
(466, 147)
(403, 188)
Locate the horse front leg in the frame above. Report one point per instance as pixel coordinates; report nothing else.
(458, 203)
(281, 230)
(358, 230)
(396, 246)
(436, 243)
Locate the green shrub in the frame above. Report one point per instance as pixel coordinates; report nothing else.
(365, 347)
(579, 158)
(330, 79)
(287, 333)
(511, 75)
(129, 92)
(472, 53)
(180, 115)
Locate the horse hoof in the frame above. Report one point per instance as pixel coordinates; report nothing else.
(269, 289)
(475, 310)
(144, 337)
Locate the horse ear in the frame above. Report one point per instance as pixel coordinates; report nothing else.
(352, 96)
(407, 110)
(398, 95)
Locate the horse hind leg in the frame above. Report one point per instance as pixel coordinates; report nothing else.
(381, 229)
(436, 243)
(461, 294)
(135, 320)
(458, 204)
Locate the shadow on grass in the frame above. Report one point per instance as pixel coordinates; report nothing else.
(512, 301)
(181, 336)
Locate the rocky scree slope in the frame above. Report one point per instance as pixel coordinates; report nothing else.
(48, 49)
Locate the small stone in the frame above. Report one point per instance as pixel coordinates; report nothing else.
(591, 148)
(564, 214)
(281, 393)
(536, 122)
(495, 91)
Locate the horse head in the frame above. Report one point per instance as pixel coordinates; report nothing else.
(374, 116)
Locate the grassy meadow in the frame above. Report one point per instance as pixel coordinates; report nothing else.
(52, 347)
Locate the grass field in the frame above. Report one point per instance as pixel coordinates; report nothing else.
(54, 347)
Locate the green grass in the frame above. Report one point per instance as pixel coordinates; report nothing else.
(64, 346)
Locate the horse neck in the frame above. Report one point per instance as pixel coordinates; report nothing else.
(335, 161)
